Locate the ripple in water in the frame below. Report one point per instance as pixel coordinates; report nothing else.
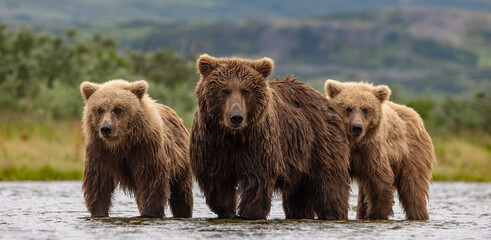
(56, 210)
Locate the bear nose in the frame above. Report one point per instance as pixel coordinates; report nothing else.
(236, 118)
(357, 129)
(106, 130)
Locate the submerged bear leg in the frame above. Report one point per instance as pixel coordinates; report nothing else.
(299, 204)
(181, 197)
(255, 199)
(220, 197)
(413, 188)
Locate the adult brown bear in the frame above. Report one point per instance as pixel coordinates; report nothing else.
(255, 136)
(137, 143)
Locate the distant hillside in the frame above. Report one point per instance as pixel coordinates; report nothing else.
(444, 51)
(63, 12)
(440, 49)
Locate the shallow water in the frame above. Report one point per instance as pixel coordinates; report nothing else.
(56, 210)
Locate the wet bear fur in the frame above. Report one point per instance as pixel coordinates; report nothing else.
(137, 143)
(389, 147)
(251, 136)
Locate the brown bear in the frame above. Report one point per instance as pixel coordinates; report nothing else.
(389, 149)
(137, 143)
(251, 136)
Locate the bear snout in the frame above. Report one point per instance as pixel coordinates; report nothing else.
(106, 130)
(236, 119)
(357, 129)
(235, 116)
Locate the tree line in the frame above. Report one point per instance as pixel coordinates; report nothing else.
(40, 74)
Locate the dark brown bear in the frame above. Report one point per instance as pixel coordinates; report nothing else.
(137, 143)
(251, 136)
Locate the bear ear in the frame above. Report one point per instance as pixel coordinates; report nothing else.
(139, 88)
(333, 88)
(87, 89)
(206, 64)
(382, 92)
(264, 66)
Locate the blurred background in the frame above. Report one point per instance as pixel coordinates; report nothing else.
(434, 54)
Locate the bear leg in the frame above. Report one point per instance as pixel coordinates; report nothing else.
(181, 197)
(361, 209)
(151, 196)
(151, 204)
(98, 189)
(255, 200)
(380, 200)
(299, 204)
(413, 191)
(331, 197)
(220, 197)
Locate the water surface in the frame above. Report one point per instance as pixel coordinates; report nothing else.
(56, 210)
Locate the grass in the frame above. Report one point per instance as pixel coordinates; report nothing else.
(463, 158)
(40, 149)
(33, 148)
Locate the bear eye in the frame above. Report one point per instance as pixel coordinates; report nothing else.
(117, 110)
(365, 110)
(225, 93)
(349, 110)
(100, 111)
(245, 93)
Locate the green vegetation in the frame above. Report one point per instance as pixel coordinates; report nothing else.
(444, 51)
(461, 135)
(408, 47)
(40, 104)
(41, 73)
(36, 147)
(464, 157)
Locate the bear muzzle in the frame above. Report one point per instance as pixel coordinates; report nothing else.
(357, 130)
(235, 116)
(236, 119)
(106, 130)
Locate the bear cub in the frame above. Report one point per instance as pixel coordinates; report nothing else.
(389, 150)
(137, 143)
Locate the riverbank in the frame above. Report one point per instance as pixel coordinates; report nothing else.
(33, 148)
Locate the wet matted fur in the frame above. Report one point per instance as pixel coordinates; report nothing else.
(390, 149)
(251, 136)
(137, 143)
